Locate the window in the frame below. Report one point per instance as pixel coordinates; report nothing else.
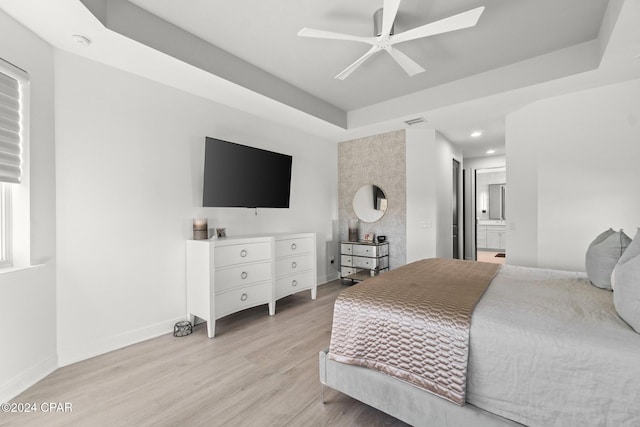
(5, 225)
(12, 132)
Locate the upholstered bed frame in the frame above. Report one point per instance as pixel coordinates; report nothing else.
(546, 348)
(402, 400)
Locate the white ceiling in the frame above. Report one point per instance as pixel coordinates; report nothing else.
(263, 33)
(519, 51)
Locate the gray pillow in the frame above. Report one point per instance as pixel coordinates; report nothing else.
(603, 255)
(626, 296)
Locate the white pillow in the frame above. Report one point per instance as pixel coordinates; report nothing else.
(603, 254)
(626, 296)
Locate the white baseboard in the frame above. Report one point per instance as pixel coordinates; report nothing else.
(67, 356)
(323, 280)
(26, 379)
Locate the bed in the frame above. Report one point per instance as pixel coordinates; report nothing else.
(545, 348)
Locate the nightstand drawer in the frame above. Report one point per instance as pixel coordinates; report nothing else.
(346, 248)
(241, 275)
(241, 298)
(347, 271)
(346, 260)
(293, 247)
(366, 250)
(242, 253)
(370, 263)
(293, 265)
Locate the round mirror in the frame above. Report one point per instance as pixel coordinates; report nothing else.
(369, 203)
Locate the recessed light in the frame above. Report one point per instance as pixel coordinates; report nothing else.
(491, 151)
(476, 134)
(80, 39)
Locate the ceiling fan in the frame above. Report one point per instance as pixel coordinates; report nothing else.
(385, 39)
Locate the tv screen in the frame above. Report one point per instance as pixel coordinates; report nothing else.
(240, 176)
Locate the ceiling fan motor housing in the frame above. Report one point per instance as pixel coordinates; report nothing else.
(377, 23)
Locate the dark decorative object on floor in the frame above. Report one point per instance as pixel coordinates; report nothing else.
(182, 328)
(500, 255)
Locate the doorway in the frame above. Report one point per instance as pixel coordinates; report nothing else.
(491, 231)
(456, 203)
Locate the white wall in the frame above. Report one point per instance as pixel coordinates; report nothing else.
(422, 198)
(572, 173)
(129, 156)
(376, 160)
(429, 194)
(28, 297)
(445, 153)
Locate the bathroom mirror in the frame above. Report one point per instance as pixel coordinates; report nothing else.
(369, 203)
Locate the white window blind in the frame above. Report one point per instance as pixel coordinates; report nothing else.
(9, 129)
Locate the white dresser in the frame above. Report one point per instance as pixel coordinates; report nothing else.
(230, 274)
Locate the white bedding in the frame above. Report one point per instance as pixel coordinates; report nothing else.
(548, 349)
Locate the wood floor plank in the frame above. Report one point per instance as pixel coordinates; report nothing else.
(259, 370)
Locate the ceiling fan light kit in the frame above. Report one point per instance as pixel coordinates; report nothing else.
(385, 39)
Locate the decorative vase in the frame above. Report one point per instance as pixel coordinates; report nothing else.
(200, 229)
(353, 230)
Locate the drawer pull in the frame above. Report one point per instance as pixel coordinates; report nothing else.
(293, 246)
(293, 264)
(243, 275)
(243, 253)
(244, 297)
(294, 283)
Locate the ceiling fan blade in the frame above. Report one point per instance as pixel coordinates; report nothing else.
(409, 65)
(321, 34)
(389, 12)
(351, 68)
(456, 22)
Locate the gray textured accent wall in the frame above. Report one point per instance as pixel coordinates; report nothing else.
(379, 160)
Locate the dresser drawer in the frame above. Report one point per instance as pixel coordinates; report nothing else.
(241, 298)
(293, 247)
(293, 265)
(241, 275)
(241, 253)
(292, 284)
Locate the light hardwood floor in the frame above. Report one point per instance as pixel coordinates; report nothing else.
(490, 256)
(259, 370)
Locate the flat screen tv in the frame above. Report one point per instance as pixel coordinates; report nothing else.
(240, 176)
